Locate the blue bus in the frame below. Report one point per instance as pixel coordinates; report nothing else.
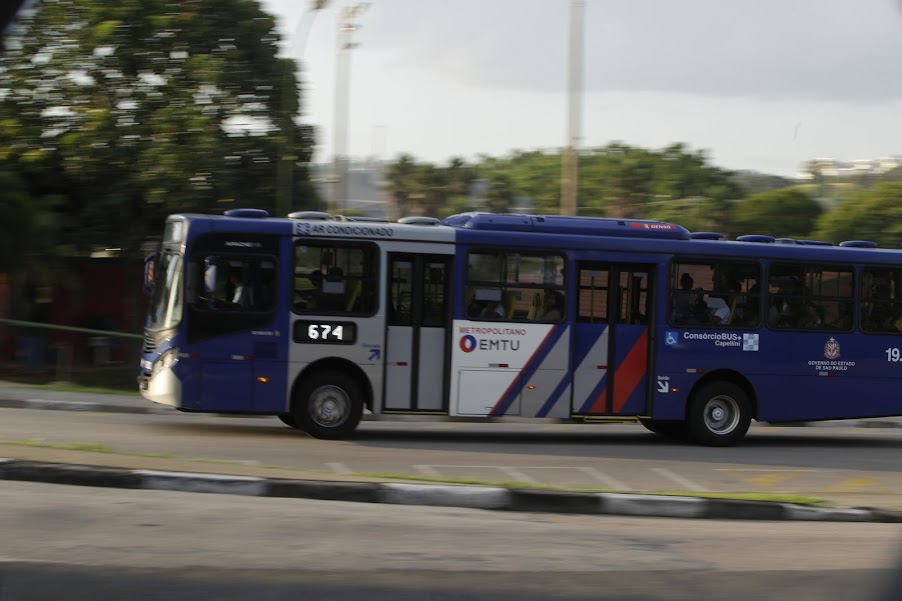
(318, 319)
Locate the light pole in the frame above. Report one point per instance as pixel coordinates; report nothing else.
(285, 189)
(347, 25)
(570, 162)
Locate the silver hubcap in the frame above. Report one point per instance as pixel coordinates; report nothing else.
(329, 406)
(722, 414)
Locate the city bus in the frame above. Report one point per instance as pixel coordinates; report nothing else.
(320, 319)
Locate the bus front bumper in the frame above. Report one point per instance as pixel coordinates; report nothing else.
(162, 387)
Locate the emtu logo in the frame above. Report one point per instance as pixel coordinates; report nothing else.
(467, 343)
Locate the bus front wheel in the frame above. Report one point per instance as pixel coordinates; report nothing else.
(719, 414)
(328, 405)
(288, 419)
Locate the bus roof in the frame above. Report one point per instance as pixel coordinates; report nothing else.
(517, 230)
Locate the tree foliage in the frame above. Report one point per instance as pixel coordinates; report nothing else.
(874, 214)
(786, 213)
(133, 109)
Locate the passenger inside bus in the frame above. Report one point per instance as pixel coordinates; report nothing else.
(699, 313)
(791, 307)
(753, 302)
(309, 298)
(332, 297)
(493, 310)
(554, 306)
(718, 311)
(683, 299)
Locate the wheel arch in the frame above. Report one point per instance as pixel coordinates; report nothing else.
(725, 375)
(337, 364)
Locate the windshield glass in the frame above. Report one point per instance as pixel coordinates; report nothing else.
(166, 303)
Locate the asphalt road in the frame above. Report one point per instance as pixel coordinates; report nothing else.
(61, 542)
(812, 460)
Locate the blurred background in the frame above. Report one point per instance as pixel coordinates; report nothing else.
(115, 114)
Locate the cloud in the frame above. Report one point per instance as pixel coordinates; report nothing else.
(768, 49)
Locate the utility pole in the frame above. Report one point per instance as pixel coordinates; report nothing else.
(347, 25)
(570, 158)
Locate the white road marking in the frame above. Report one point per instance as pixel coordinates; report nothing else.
(515, 474)
(680, 480)
(339, 468)
(428, 470)
(608, 481)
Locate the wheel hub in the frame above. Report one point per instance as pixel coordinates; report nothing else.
(722, 415)
(330, 406)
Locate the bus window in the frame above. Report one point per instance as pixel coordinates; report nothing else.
(714, 293)
(881, 305)
(234, 284)
(511, 286)
(401, 291)
(434, 301)
(593, 295)
(334, 278)
(810, 297)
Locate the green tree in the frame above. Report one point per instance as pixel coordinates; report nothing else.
(138, 108)
(500, 195)
(615, 180)
(784, 213)
(432, 187)
(401, 185)
(874, 214)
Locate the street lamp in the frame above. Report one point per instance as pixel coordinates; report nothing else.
(570, 163)
(347, 25)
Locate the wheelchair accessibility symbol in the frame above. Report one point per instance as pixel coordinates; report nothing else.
(671, 338)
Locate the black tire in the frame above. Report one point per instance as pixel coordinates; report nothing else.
(328, 405)
(288, 419)
(667, 428)
(719, 414)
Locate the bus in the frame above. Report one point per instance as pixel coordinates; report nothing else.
(320, 319)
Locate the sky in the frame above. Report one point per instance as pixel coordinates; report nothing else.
(763, 85)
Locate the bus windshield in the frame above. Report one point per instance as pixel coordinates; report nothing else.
(166, 303)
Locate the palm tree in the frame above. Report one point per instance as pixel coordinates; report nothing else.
(401, 182)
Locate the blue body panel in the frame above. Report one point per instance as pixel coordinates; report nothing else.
(651, 369)
(793, 375)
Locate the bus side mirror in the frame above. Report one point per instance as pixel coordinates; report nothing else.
(150, 263)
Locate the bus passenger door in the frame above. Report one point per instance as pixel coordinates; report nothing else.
(611, 338)
(415, 347)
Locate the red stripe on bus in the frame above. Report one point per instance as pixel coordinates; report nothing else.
(631, 372)
(598, 405)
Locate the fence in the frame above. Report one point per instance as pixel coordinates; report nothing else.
(45, 351)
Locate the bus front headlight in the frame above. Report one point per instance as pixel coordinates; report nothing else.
(168, 359)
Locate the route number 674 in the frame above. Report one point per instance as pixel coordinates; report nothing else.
(325, 332)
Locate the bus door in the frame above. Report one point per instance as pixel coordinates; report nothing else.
(418, 318)
(232, 334)
(610, 356)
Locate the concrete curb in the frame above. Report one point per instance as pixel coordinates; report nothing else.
(55, 405)
(475, 497)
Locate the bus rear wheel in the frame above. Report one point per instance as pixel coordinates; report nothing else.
(328, 405)
(719, 414)
(666, 428)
